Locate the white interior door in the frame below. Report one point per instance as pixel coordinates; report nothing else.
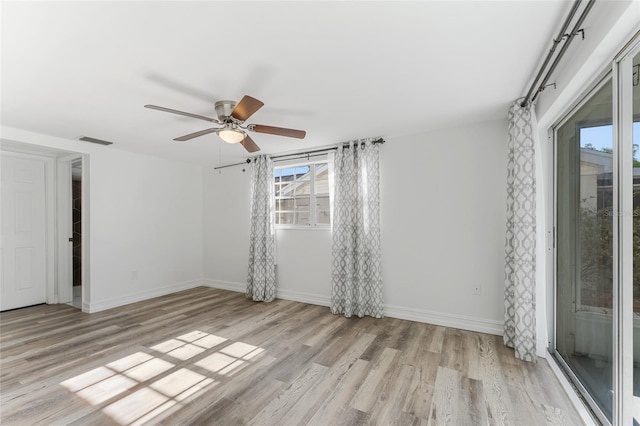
(23, 238)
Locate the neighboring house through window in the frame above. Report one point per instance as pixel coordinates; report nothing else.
(302, 195)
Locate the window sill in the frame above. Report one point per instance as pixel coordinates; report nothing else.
(302, 228)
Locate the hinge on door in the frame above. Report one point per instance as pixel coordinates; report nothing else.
(554, 237)
(70, 239)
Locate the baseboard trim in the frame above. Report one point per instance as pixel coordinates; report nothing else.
(224, 285)
(300, 296)
(115, 302)
(480, 325)
(296, 296)
(436, 318)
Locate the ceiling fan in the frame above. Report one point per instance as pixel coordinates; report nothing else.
(231, 117)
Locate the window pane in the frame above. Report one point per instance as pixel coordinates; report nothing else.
(286, 204)
(286, 218)
(303, 188)
(322, 203)
(302, 204)
(287, 172)
(287, 189)
(596, 201)
(302, 173)
(585, 245)
(322, 178)
(296, 200)
(302, 218)
(324, 217)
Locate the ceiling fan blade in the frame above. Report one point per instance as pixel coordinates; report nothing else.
(188, 114)
(249, 144)
(281, 131)
(196, 134)
(246, 108)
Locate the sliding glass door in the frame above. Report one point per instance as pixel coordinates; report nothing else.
(584, 226)
(597, 207)
(632, 313)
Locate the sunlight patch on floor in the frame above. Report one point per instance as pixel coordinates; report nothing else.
(106, 389)
(87, 379)
(132, 407)
(209, 341)
(148, 369)
(129, 361)
(216, 362)
(167, 346)
(185, 352)
(238, 349)
(180, 381)
(141, 387)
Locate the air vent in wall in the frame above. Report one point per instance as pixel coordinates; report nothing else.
(94, 140)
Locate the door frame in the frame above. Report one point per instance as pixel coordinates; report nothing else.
(56, 262)
(601, 79)
(64, 199)
(623, 119)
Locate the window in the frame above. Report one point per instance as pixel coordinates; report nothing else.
(595, 211)
(302, 195)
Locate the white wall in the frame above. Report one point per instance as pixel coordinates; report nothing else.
(145, 224)
(443, 223)
(443, 217)
(226, 202)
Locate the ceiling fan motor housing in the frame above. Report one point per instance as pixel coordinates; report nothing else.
(224, 109)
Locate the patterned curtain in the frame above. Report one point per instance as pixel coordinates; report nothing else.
(520, 247)
(356, 281)
(261, 280)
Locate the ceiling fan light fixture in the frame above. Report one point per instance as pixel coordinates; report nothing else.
(231, 135)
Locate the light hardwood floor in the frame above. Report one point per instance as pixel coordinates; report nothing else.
(209, 356)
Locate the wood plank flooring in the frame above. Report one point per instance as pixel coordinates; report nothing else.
(209, 356)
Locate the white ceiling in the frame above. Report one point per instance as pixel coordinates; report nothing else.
(339, 70)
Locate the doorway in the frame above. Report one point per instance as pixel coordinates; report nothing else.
(76, 218)
(56, 253)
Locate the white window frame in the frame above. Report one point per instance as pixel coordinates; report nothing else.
(313, 225)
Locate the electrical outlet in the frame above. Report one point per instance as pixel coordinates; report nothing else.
(477, 290)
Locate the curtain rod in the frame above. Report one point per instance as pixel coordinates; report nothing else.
(562, 35)
(312, 153)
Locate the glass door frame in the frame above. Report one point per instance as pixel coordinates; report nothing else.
(621, 73)
(623, 239)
